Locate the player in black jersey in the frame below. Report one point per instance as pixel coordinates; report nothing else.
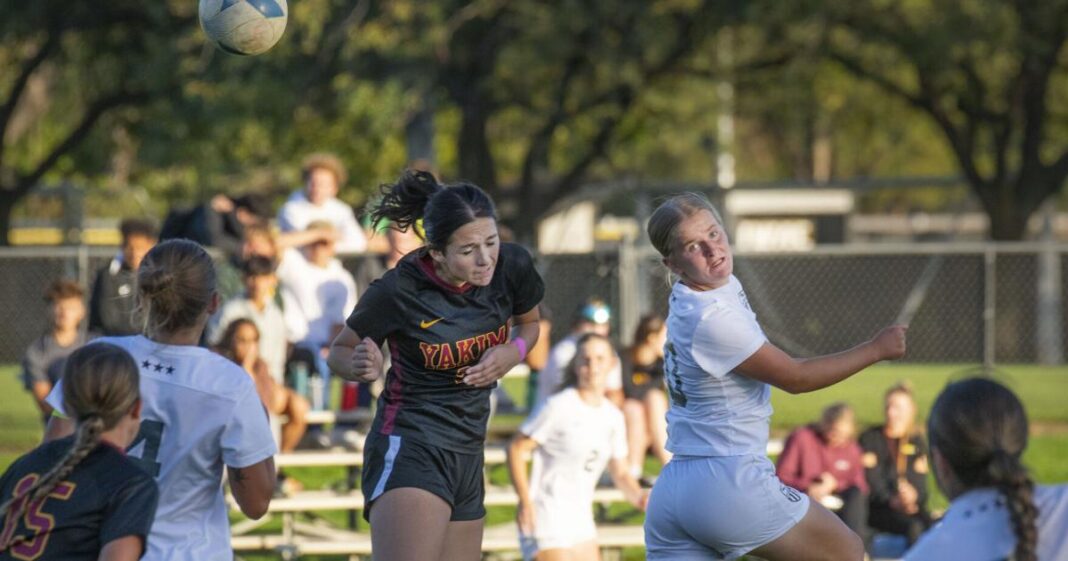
(458, 315)
(80, 498)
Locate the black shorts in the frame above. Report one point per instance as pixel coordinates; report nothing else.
(392, 462)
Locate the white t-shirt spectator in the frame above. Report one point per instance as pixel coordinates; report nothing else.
(314, 299)
(200, 412)
(298, 212)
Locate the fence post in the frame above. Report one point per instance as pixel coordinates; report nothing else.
(630, 298)
(83, 266)
(989, 305)
(1049, 325)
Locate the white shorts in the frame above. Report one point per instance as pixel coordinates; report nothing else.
(718, 508)
(558, 523)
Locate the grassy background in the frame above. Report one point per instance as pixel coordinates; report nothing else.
(1042, 389)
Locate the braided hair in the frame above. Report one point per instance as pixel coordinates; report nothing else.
(100, 387)
(980, 428)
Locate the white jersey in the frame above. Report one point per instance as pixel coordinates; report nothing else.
(315, 299)
(714, 410)
(200, 412)
(977, 527)
(560, 355)
(575, 442)
(298, 212)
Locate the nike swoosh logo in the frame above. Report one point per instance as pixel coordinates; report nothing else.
(426, 324)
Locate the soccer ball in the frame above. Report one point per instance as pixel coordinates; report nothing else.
(244, 27)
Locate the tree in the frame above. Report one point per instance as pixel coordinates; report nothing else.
(988, 74)
(75, 64)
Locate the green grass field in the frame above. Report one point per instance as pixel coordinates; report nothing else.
(1043, 390)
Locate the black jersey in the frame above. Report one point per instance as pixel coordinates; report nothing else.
(105, 498)
(435, 331)
(886, 460)
(639, 379)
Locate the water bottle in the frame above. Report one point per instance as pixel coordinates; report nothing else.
(316, 388)
(299, 375)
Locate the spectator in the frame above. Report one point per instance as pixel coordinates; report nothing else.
(823, 461)
(240, 342)
(895, 464)
(317, 295)
(42, 365)
(645, 403)
(573, 437)
(257, 304)
(220, 223)
(592, 317)
(323, 176)
(112, 304)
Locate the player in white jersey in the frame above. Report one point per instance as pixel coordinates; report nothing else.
(719, 497)
(978, 432)
(573, 436)
(200, 412)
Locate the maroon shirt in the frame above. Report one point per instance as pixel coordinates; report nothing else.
(806, 456)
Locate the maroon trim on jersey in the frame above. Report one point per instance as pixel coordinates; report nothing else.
(426, 264)
(394, 389)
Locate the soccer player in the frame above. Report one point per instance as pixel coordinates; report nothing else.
(719, 497)
(447, 311)
(80, 498)
(978, 432)
(200, 411)
(573, 436)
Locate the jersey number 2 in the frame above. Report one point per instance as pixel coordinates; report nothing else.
(151, 434)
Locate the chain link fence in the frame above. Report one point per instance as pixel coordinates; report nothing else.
(972, 303)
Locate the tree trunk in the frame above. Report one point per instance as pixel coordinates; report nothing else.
(476, 161)
(1009, 207)
(8, 200)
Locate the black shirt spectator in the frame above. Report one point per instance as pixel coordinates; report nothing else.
(111, 306)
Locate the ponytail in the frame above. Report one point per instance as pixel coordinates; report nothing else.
(1013, 481)
(86, 438)
(404, 202)
(980, 428)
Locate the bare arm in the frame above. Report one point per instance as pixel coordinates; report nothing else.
(58, 427)
(624, 481)
(126, 548)
(496, 362)
(40, 390)
(518, 453)
(771, 365)
(253, 487)
(353, 358)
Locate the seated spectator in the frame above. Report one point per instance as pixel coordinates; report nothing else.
(323, 176)
(592, 317)
(823, 461)
(895, 465)
(978, 430)
(42, 366)
(240, 342)
(317, 295)
(258, 304)
(219, 223)
(645, 402)
(112, 304)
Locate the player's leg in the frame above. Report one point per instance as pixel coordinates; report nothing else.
(656, 406)
(637, 434)
(410, 524)
(819, 536)
(463, 541)
(295, 408)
